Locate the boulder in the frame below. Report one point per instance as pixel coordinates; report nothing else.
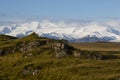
(61, 49)
(77, 53)
(60, 54)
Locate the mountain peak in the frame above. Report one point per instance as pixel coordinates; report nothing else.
(34, 34)
(31, 36)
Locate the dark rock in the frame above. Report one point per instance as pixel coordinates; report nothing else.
(118, 78)
(0, 52)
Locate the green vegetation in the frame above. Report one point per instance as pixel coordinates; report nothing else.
(6, 37)
(14, 67)
(34, 58)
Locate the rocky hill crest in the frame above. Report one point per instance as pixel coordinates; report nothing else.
(33, 45)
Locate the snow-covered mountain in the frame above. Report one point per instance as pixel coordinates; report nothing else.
(72, 31)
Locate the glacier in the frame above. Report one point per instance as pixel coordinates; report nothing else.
(92, 31)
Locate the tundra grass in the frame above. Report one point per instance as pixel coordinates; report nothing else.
(98, 46)
(69, 68)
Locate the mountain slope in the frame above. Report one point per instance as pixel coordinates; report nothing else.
(6, 37)
(71, 31)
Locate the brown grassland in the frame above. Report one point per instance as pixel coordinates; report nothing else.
(15, 67)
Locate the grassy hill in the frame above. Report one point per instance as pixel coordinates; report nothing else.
(38, 58)
(6, 37)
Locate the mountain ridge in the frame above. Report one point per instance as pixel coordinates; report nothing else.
(80, 32)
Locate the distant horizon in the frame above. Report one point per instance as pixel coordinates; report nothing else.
(65, 20)
(28, 10)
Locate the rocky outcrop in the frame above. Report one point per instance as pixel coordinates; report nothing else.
(30, 69)
(88, 54)
(60, 48)
(27, 46)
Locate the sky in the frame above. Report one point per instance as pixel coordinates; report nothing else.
(18, 10)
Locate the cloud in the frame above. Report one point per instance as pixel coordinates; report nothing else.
(110, 21)
(12, 21)
(67, 29)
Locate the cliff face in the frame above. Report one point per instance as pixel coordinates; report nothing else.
(33, 44)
